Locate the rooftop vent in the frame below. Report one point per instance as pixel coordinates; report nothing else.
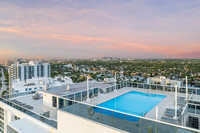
(45, 88)
(67, 87)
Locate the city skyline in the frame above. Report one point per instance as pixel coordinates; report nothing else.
(93, 29)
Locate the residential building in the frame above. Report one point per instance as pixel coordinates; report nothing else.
(35, 84)
(164, 81)
(109, 80)
(24, 71)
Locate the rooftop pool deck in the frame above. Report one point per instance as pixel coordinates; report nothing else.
(167, 102)
(134, 102)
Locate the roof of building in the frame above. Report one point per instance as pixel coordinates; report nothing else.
(78, 87)
(26, 126)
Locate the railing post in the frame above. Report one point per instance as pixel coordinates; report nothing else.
(196, 91)
(112, 118)
(182, 121)
(139, 125)
(74, 97)
(125, 123)
(100, 115)
(81, 96)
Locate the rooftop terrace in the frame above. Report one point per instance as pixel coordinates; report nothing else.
(37, 105)
(79, 106)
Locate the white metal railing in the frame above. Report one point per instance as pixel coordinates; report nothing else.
(183, 115)
(190, 96)
(192, 109)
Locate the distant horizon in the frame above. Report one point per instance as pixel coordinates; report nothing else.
(65, 58)
(91, 29)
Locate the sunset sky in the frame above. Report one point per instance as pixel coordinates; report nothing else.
(95, 28)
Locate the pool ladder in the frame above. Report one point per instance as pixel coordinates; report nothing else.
(143, 113)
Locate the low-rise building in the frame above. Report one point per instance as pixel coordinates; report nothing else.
(39, 84)
(109, 80)
(164, 81)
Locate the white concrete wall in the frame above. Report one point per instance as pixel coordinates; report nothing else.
(69, 123)
(11, 130)
(47, 99)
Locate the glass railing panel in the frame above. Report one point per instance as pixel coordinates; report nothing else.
(117, 120)
(132, 124)
(129, 84)
(182, 90)
(147, 126)
(181, 130)
(167, 88)
(198, 91)
(134, 85)
(125, 84)
(191, 108)
(163, 128)
(153, 87)
(191, 91)
(84, 94)
(197, 109)
(140, 85)
(159, 88)
(78, 96)
(118, 86)
(96, 90)
(146, 86)
(173, 89)
(106, 117)
(71, 96)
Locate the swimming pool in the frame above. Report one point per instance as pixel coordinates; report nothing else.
(136, 103)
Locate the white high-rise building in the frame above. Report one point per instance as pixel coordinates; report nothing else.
(24, 71)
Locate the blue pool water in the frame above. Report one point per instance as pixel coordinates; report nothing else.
(133, 103)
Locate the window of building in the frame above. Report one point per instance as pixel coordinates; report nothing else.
(30, 89)
(54, 101)
(1, 114)
(1, 126)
